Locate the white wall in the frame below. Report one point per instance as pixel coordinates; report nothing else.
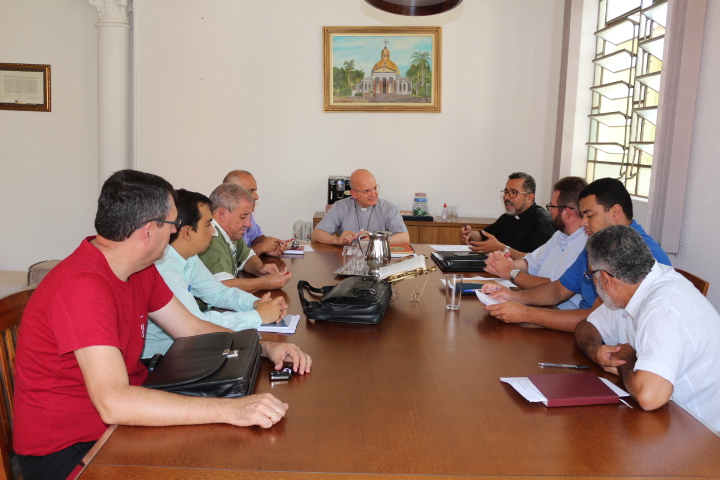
(237, 84)
(48, 160)
(227, 84)
(700, 219)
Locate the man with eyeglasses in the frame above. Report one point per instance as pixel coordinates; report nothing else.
(524, 227)
(549, 262)
(655, 330)
(603, 203)
(188, 278)
(228, 254)
(362, 213)
(253, 236)
(78, 365)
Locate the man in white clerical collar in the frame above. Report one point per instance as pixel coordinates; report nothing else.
(364, 212)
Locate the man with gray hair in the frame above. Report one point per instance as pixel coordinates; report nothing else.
(655, 329)
(254, 236)
(228, 254)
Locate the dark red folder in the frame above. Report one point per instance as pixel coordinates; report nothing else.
(570, 389)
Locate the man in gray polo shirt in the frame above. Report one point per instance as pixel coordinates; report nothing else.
(364, 212)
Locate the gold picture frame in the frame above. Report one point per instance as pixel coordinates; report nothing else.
(382, 69)
(24, 87)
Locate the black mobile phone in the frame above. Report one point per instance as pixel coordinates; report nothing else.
(278, 375)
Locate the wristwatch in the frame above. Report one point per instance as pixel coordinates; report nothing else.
(506, 249)
(514, 274)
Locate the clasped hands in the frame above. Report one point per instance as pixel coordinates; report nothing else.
(271, 310)
(474, 240)
(276, 278)
(611, 357)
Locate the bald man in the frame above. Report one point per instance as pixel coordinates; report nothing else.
(254, 237)
(362, 213)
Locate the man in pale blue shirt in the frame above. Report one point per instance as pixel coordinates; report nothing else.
(548, 262)
(188, 278)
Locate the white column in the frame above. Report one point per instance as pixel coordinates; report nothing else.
(114, 122)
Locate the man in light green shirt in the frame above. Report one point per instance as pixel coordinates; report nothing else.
(188, 278)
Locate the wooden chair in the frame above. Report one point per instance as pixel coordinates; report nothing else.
(699, 283)
(11, 310)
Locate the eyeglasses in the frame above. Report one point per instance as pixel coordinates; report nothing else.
(512, 193)
(549, 206)
(589, 273)
(365, 192)
(177, 222)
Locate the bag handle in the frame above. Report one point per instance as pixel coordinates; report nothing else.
(305, 303)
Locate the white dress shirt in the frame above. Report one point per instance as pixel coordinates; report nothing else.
(675, 332)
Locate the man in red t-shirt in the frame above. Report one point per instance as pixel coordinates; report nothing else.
(78, 363)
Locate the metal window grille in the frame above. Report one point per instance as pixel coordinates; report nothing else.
(626, 86)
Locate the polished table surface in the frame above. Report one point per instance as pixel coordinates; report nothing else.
(418, 395)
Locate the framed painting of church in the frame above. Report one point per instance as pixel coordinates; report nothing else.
(382, 69)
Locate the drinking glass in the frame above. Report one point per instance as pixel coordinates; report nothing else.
(453, 291)
(348, 259)
(360, 263)
(453, 213)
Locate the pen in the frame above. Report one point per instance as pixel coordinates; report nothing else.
(560, 365)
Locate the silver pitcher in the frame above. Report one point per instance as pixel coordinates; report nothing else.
(377, 253)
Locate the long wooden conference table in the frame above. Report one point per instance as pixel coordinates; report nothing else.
(419, 395)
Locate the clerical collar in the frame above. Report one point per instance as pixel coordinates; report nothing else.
(363, 209)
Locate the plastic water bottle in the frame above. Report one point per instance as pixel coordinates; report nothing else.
(443, 214)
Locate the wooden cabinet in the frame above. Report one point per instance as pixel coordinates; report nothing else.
(440, 233)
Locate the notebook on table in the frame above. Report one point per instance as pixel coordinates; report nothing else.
(460, 261)
(569, 389)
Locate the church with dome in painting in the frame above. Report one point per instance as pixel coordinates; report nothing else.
(384, 78)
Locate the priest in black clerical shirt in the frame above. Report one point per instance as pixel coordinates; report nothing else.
(524, 227)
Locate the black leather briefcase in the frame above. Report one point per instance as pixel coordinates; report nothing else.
(353, 300)
(219, 364)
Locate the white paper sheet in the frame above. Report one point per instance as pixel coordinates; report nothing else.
(485, 299)
(288, 325)
(450, 248)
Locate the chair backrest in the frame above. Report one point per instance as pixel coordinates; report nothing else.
(699, 283)
(11, 310)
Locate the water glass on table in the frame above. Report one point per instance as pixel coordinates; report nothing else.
(452, 213)
(453, 291)
(349, 259)
(360, 263)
